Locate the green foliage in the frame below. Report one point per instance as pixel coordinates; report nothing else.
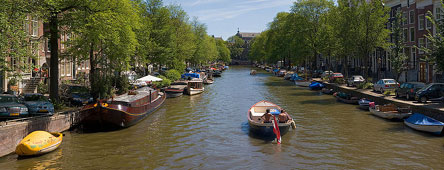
(13, 82)
(398, 57)
(339, 81)
(366, 85)
(236, 46)
(389, 93)
(42, 88)
(164, 83)
(121, 84)
(172, 75)
(435, 52)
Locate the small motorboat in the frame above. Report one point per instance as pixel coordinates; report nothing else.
(424, 123)
(38, 143)
(364, 104)
(316, 86)
(281, 73)
(176, 89)
(253, 72)
(346, 98)
(260, 126)
(389, 111)
(288, 75)
(328, 91)
(195, 86)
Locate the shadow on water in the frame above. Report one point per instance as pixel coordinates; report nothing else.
(307, 93)
(247, 131)
(319, 102)
(95, 129)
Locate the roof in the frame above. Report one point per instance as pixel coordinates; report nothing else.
(248, 34)
(142, 92)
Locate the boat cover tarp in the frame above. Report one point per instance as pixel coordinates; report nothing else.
(192, 75)
(275, 111)
(364, 102)
(295, 76)
(148, 78)
(316, 85)
(276, 70)
(420, 119)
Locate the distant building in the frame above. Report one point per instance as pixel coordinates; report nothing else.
(247, 37)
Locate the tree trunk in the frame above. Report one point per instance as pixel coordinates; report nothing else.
(54, 61)
(92, 72)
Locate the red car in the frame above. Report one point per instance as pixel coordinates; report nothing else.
(335, 76)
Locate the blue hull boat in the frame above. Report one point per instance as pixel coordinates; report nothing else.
(316, 86)
(424, 123)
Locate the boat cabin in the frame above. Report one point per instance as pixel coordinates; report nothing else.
(195, 84)
(137, 98)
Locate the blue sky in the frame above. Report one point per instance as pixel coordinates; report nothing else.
(223, 17)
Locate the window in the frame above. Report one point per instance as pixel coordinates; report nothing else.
(404, 17)
(35, 27)
(412, 17)
(412, 34)
(427, 42)
(438, 13)
(421, 22)
(421, 44)
(405, 35)
(62, 41)
(413, 58)
(428, 23)
(26, 25)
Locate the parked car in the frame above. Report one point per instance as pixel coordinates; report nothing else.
(317, 73)
(11, 107)
(326, 74)
(38, 104)
(76, 95)
(355, 80)
(335, 76)
(385, 84)
(409, 89)
(432, 91)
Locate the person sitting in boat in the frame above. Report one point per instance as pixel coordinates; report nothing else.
(283, 116)
(266, 117)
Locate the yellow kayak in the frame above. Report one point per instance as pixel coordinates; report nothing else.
(39, 142)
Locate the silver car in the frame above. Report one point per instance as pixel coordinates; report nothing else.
(385, 84)
(355, 80)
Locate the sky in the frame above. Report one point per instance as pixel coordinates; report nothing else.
(224, 17)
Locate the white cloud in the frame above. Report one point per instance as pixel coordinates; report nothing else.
(239, 8)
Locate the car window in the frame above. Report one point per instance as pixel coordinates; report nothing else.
(420, 85)
(403, 85)
(379, 82)
(8, 99)
(389, 81)
(35, 98)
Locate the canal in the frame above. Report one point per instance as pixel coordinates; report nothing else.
(210, 131)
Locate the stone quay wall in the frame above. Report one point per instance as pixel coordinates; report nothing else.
(12, 132)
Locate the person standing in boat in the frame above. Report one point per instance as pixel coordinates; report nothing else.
(283, 116)
(266, 117)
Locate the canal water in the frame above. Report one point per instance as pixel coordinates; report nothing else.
(210, 131)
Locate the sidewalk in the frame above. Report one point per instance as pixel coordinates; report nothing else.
(434, 110)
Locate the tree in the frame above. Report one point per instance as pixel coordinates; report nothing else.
(223, 51)
(16, 46)
(398, 57)
(435, 51)
(236, 46)
(107, 39)
(312, 11)
(372, 32)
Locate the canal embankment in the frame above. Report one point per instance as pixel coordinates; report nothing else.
(434, 110)
(13, 131)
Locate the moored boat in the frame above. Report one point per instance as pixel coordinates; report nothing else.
(124, 110)
(253, 72)
(316, 86)
(217, 73)
(346, 98)
(424, 123)
(39, 142)
(194, 87)
(259, 125)
(364, 104)
(327, 91)
(176, 89)
(390, 111)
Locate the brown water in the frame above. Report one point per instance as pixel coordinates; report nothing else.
(210, 131)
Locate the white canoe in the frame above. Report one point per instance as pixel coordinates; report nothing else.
(388, 115)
